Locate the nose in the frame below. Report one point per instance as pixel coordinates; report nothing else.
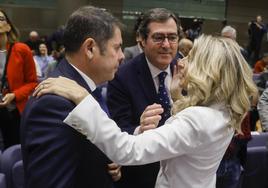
(165, 43)
(121, 55)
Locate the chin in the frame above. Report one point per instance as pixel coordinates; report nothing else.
(111, 78)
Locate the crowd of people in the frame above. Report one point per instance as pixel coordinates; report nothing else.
(177, 106)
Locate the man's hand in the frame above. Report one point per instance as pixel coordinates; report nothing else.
(115, 171)
(150, 117)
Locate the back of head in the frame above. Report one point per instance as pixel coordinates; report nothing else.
(159, 15)
(218, 73)
(259, 18)
(33, 35)
(185, 45)
(229, 32)
(89, 22)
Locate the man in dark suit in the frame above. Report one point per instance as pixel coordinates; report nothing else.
(136, 85)
(55, 155)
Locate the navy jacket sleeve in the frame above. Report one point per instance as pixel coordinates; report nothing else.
(52, 147)
(120, 106)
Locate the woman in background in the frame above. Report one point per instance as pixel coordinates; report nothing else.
(18, 79)
(44, 63)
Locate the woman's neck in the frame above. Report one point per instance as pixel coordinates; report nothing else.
(43, 55)
(3, 41)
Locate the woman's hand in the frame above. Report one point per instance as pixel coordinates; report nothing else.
(62, 86)
(150, 117)
(7, 99)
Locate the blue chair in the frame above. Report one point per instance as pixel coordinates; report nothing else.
(3, 181)
(256, 168)
(9, 157)
(259, 140)
(18, 175)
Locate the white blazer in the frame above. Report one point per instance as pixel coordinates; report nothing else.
(190, 145)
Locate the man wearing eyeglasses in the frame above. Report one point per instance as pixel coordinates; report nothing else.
(143, 81)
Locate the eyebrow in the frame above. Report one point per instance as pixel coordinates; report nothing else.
(170, 33)
(118, 44)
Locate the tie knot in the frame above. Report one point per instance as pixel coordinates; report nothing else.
(162, 76)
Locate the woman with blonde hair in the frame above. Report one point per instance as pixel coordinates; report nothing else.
(193, 140)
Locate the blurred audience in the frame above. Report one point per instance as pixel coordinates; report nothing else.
(133, 51)
(195, 29)
(263, 110)
(44, 62)
(262, 64)
(55, 40)
(230, 32)
(184, 47)
(256, 31)
(33, 41)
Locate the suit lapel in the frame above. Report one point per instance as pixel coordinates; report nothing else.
(145, 79)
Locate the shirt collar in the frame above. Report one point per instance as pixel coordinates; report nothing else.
(155, 71)
(88, 80)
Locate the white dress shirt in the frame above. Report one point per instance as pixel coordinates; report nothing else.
(190, 145)
(155, 72)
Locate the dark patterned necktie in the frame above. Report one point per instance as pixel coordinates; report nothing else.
(163, 96)
(98, 96)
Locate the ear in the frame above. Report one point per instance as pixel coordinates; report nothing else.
(89, 46)
(143, 41)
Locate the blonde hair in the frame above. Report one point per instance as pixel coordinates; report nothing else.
(218, 73)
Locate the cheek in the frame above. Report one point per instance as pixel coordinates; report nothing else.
(4, 27)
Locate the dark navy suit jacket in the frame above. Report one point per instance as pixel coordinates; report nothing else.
(128, 94)
(54, 154)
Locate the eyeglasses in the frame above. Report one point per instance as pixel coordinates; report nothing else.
(2, 19)
(160, 38)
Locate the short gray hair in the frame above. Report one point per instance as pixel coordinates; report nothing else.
(229, 32)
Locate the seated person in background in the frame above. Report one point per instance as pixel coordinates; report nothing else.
(195, 30)
(263, 110)
(184, 47)
(44, 63)
(33, 41)
(261, 65)
(193, 140)
(133, 51)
